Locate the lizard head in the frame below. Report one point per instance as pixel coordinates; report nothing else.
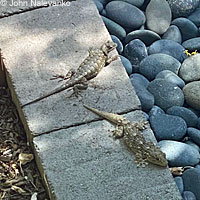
(108, 47)
(156, 156)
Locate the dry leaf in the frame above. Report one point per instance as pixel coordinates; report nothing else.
(14, 183)
(177, 171)
(18, 189)
(25, 158)
(34, 196)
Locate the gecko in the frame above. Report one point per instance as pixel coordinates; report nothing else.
(131, 132)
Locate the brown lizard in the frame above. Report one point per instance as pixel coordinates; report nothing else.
(89, 68)
(144, 151)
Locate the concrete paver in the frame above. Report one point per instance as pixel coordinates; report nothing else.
(85, 162)
(48, 41)
(13, 7)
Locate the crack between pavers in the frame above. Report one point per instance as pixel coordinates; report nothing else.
(82, 123)
(22, 11)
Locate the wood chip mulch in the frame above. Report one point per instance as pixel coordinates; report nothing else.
(19, 177)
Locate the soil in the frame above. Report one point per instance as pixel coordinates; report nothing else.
(19, 177)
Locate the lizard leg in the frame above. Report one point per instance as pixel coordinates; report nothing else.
(140, 160)
(110, 59)
(83, 85)
(91, 51)
(141, 125)
(69, 74)
(118, 132)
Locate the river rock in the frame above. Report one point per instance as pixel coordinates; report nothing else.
(179, 182)
(116, 40)
(188, 195)
(166, 94)
(187, 28)
(171, 77)
(146, 99)
(158, 14)
(137, 3)
(183, 7)
(155, 63)
(198, 123)
(191, 92)
(190, 69)
(180, 154)
(140, 84)
(146, 36)
(192, 44)
(125, 14)
(168, 127)
(127, 65)
(168, 47)
(156, 110)
(99, 5)
(191, 181)
(194, 135)
(173, 33)
(114, 28)
(191, 143)
(138, 81)
(195, 17)
(189, 117)
(135, 51)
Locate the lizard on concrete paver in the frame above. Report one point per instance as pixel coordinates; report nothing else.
(89, 68)
(144, 151)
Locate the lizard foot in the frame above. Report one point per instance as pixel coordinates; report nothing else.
(69, 74)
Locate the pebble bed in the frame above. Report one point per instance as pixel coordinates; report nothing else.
(152, 36)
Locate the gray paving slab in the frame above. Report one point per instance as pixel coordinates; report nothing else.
(11, 7)
(85, 162)
(48, 41)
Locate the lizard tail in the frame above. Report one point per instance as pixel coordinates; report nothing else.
(46, 95)
(114, 118)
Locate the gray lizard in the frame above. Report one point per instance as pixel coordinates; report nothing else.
(88, 69)
(144, 151)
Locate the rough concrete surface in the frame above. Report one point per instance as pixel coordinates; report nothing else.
(41, 43)
(12, 7)
(85, 162)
